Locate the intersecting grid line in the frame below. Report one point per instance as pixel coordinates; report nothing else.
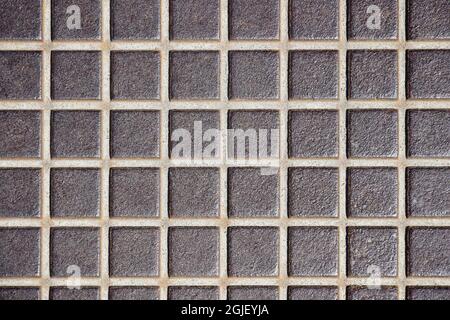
(164, 105)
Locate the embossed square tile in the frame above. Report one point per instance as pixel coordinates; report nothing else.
(253, 192)
(193, 251)
(75, 134)
(313, 19)
(20, 75)
(313, 134)
(19, 293)
(427, 19)
(134, 192)
(252, 293)
(372, 192)
(253, 75)
(134, 252)
(20, 20)
(428, 192)
(253, 19)
(312, 293)
(372, 134)
(20, 252)
(367, 293)
(75, 75)
(261, 128)
(135, 19)
(427, 74)
(83, 293)
(253, 251)
(428, 133)
(193, 293)
(65, 25)
(74, 192)
(372, 74)
(194, 19)
(133, 293)
(20, 134)
(74, 251)
(312, 251)
(194, 192)
(135, 75)
(313, 192)
(20, 192)
(313, 74)
(372, 250)
(194, 75)
(135, 134)
(428, 293)
(427, 252)
(372, 19)
(194, 134)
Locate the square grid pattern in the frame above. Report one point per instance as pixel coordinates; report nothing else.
(361, 181)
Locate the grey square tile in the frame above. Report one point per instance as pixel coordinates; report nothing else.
(133, 293)
(252, 293)
(253, 19)
(313, 192)
(20, 20)
(134, 192)
(20, 192)
(75, 75)
(428, 293)
(253, 134)
(313, 19)
(372, 134)
(428, 252)
(313, 74)
(193, 293)
(90, 15)
(135, 134)
(74, 192)
(253, 251)
(194, 192)
(428, 133)
(135, 19)
(362, 22)
(313, 134)
(428, 74)
(194, 75)
(313, 251)
(428, 192)
(20, 252)
(19, 293)
(75, 134)
(372, 192)
(253, 75)
(372, 250)
(135, 75)
(193, 251)
(194, 19)
(427, 19)
(372, 74)
(20, 134)
(312, 293)
(194, 134)
(84, 293)
(252, 192)
(20, 75)
(74, 249)
(134, 252)
(367, 293)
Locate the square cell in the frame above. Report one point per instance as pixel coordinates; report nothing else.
(253, 251)
(368, 293)
(252, 293)
(20, 20)
(193, 293)
(19, 293)
(83, 293)
(312, 293)
(428, 293)
(427, 19)
(133, 293)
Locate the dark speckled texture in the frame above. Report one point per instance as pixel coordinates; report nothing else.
(84, 293)
(193, 252)
(20, 20)
(19, 293)
(313, 293)
(252, 293)
(367, 293)
(193, 293)
(428, 19)
(253, 251)
(133, 293)
(428, 293)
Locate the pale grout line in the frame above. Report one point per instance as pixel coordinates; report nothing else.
(342, 269)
